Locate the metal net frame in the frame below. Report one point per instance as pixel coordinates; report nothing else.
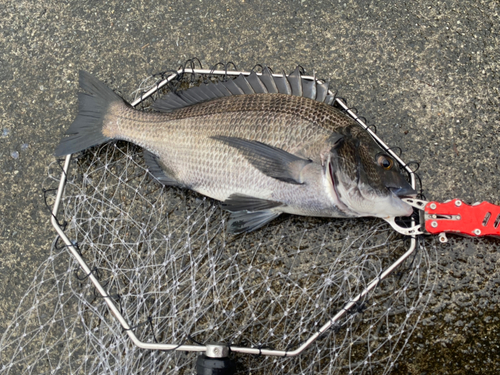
(153, 278)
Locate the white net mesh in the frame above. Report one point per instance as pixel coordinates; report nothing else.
(165, 258)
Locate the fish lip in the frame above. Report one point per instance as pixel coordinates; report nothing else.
(409, 194)
(403, 192)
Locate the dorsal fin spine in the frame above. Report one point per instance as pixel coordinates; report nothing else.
(266, 82)
(295, 82)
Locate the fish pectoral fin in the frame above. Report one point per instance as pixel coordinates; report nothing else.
(272, 161)
(248, 221)
(159, 170)
(242, 202)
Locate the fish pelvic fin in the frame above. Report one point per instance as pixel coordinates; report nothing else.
(272, 161)
(249, 213)
(86, 129)
(245, 221)
(242, 202)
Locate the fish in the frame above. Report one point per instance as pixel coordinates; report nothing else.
(262, 145)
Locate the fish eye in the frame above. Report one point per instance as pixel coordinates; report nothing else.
(385, 162)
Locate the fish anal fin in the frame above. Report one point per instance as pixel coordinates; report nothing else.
(272, 161)
(159, 170)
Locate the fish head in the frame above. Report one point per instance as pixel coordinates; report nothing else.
(366, 180)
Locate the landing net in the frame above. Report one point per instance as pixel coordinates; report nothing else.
(163, 255)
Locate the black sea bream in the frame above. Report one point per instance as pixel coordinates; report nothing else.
(261, 145)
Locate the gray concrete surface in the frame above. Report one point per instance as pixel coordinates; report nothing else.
(426, 72)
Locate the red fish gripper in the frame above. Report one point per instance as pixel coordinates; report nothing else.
(455, 216)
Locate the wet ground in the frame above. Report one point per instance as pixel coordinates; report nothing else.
(426, 73)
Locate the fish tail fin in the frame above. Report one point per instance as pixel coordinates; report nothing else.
(87, 129)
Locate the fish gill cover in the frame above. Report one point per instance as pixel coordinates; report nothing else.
(166, 259)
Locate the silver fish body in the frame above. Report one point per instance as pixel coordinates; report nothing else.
(260, 153)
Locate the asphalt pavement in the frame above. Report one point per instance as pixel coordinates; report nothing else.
(426, 73)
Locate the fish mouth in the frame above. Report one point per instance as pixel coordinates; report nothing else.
(403, 192)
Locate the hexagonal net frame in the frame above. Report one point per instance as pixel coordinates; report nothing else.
(153, 277)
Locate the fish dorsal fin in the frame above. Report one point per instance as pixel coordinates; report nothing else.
(243, 84)
(309, 89)
(268, 80)
(283, 85)
(257, 85)
(322, 92)
(293, 84)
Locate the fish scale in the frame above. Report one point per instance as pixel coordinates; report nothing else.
(182, 139)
